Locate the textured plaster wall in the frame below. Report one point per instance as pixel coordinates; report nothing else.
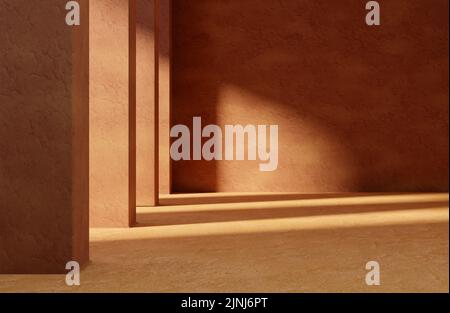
(110, 123)
(359, 108)
(43, 137)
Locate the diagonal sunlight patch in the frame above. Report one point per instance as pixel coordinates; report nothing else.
(333, 221)
(299, 203)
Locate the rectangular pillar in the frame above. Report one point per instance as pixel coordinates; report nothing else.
(112, 110)
(44, 173)
(164, 103)
(146, 108)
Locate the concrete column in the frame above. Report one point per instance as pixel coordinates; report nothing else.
(164, 58)
(146, 108)
(112, 110)
(44, 82)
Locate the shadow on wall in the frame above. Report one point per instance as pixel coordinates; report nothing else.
(359, 108)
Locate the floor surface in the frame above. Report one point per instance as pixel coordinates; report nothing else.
(252, 243)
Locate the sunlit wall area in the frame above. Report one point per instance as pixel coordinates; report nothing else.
(358, 108)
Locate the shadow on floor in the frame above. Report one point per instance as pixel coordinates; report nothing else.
(412, 257)
(214, 198)
(196, 214)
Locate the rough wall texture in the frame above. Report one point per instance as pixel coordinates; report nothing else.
(110, 172)
(359, 108)
(43, 137)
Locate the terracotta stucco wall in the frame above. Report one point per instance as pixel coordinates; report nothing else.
(123, 121)
(359, 108)
(43, 137)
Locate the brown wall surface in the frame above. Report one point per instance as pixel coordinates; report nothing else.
(43, 137)
(359, 108)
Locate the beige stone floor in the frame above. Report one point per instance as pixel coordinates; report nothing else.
(313, 244)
